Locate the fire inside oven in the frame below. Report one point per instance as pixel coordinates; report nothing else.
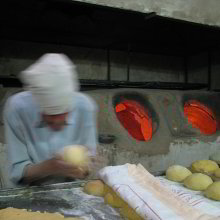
(201, 117)
(136, 119)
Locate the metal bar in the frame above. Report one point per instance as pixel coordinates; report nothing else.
(209, 70)
(108, 66)
(14, 82)
(128, 62)
(186, 69)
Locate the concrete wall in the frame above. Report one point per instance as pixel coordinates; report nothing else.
(198, 11)
(215, 70)
(16, 56)
(198, 68)
(164, 150)
(92, 63)
(156, 68)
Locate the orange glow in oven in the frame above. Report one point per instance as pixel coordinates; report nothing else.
(135, 120)
(201, 117)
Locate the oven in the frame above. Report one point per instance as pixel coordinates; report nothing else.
(157, 128)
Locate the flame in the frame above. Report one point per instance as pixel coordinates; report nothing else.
(135, 120)
(201, 117)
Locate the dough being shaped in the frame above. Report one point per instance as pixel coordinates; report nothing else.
(198, 181)
(76, 155)
(217, 173)
(177, 173)
(21, 214)
(213, 191)
(129, 213)
(114, 200)
(204, 166)
(95, 188)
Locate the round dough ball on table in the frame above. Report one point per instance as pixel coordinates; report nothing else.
(217, 173)
(76, 155)
(95, 188)
(129, 213)
(108, 189)
(109, 199)
(177, 173)
(204, 166)
(114, 200)
(198, 181)
(213, 191)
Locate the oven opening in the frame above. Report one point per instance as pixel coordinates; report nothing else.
(135, 118)
(201, 117)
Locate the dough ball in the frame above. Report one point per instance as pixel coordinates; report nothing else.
(76, 155)
(204, 166)
(129, 213)
(114, 200)
(198, 181)
(107, 189)
(216, 157)
(217, 173)
(177, 173)
(109, 199)
(95, 188)
(213, 191)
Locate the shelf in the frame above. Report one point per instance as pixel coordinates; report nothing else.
(104, 84)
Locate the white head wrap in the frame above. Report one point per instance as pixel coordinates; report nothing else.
(52, 81)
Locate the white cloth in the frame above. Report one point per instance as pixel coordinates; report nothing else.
(51, 80)
(192, 197)
(148, 196)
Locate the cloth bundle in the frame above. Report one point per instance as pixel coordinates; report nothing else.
(149, 197)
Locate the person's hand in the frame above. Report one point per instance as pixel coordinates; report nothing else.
(56, 166)
(53, 167)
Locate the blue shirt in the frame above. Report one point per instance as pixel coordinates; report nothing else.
(30, 142)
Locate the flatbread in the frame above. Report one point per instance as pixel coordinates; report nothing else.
(22, 214)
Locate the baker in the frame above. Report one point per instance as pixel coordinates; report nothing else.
(49, 115)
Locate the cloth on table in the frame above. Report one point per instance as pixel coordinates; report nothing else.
(149, 197)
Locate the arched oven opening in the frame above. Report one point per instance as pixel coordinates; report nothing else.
(201, 116)
(136, 115)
